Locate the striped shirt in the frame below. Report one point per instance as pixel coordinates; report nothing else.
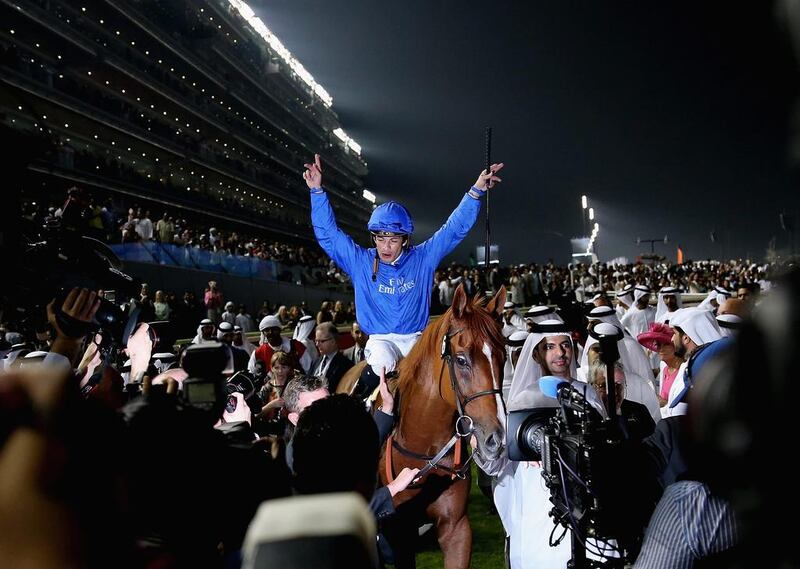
(688, 524)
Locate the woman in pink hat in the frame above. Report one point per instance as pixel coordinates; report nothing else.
(658, 338)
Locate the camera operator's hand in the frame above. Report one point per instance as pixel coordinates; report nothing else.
(162, 379)
(140, 348)
(387, 399)
(402, 481)
(172, 378)
(80, 305)
(240, 413)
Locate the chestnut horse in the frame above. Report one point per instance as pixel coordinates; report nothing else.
(454, 369)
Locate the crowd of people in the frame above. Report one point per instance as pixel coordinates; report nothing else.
(533, 283)
(185, 311)
(296, 363)
(154, 427)
(153, 499)
(113, 221)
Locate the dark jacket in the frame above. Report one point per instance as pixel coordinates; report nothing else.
(336, 369)
(351, 353)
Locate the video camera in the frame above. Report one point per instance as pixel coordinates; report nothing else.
(582, 450)
(59, 257)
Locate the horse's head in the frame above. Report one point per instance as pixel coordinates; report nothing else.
(472, 340)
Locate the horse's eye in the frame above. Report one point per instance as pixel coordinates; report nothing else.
(462, 361)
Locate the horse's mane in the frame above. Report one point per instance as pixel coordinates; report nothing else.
(480, 323)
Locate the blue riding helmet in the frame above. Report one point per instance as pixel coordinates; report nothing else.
(391, 218)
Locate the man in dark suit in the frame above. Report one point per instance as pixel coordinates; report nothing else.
(330, 364)
(356, 353)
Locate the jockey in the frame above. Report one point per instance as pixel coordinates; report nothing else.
(392, 281)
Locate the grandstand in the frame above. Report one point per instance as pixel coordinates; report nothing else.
(187, 104)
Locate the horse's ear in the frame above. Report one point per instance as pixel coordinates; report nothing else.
(496, 304)
(461, 304)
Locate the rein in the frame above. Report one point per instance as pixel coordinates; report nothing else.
(464, 426)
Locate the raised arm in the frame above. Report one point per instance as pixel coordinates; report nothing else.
(336, 243)
(463, 217)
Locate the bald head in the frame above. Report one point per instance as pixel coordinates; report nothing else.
(734, 306)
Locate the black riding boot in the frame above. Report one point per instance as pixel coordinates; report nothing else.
(367, 383)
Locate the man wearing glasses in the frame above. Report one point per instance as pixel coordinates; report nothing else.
(330, 364)
(392, 281)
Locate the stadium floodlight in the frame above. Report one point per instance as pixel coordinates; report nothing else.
(584, 202)
(340, 134)
(261, 29)
(349, 142)
(369, 196)
(354, 146)
(591, 214)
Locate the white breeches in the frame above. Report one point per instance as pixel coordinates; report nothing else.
(385, 350)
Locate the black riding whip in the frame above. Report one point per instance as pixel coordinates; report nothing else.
(487, 250)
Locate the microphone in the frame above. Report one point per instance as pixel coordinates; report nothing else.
(550, 385)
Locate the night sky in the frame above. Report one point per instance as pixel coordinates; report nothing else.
(673, 118)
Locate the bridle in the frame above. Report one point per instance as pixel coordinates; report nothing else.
(464, 425)
(461, 402)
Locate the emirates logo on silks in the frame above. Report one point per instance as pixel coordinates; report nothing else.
(397, 285)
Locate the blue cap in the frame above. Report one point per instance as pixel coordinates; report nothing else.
(391, 217)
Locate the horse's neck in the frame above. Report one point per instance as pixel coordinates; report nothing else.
(426, 418)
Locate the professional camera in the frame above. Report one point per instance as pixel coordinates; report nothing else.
(248, 385)
(584, 455)
(207, 366)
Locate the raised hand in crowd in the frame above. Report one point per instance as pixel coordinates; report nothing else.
(77, 313)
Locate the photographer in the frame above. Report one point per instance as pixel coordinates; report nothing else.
(214, 480)
(521, 497)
